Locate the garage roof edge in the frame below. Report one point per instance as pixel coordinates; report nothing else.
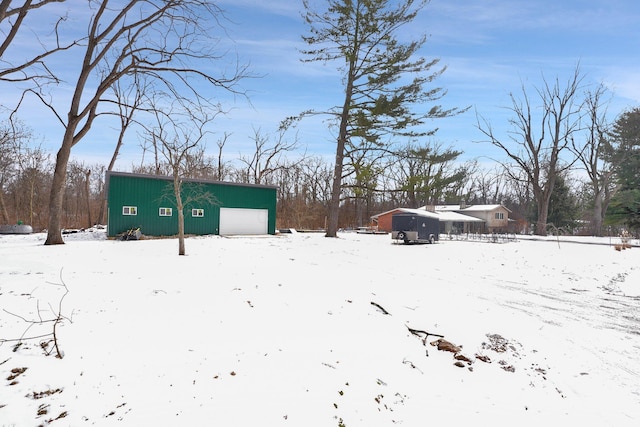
(197, 180)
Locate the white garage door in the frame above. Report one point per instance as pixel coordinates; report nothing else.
(243, 221)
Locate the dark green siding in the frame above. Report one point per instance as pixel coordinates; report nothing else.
(150, 193)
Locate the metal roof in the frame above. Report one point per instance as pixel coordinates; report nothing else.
(418, 212)
(470, 208)
(457, 217)
(482, 208)
(198, 180)
(442, 216)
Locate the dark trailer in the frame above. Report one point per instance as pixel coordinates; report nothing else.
(414, 228)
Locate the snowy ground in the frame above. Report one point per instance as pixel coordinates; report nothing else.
(290, 331)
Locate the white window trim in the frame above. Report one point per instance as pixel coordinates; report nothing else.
(499, 215)
(130, 210)
(197, 213)
(165, 212)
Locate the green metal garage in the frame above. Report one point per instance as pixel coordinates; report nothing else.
(211, 207)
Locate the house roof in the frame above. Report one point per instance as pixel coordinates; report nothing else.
(447, 208)
(457, 217)
(441, 216)
(390, 211)
(482, 208)
(419, 212)
(470, 208)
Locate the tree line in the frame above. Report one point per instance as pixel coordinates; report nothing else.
(412, 177)
(156, 67)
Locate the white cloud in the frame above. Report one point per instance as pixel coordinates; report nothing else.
(625, 83)
(276, 7)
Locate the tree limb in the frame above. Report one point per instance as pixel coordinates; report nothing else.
(380, 308)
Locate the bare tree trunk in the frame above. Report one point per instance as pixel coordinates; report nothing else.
(32, 190)
(54, 231)
(3, 208)
(220, 171)
(336, 187)
(597, 218)
(542, 196)
(541, 223)
(180, 208)
(112, 163)
(336, 191)
(103, 209)
(87, 193)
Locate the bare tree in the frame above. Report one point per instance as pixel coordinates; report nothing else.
(77, 199)
(198, 165)
(304, 191)
(539, 155)
(267, 156)
(7, 162)
(22, 171)
(31, 162)
(593, 154)
(221, 166)
(488, 185)
(165, 41)
(178, 131)
(87, 195)
(157, 168)
(128, 100)
(12, 22)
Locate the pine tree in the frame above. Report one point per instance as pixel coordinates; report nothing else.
(384, 79)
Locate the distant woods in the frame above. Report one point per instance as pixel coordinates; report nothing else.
(415, 175)
(303, 181)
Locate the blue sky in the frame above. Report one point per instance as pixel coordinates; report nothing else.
(490, 48)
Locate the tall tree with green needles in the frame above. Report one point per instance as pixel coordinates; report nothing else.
(384, 78)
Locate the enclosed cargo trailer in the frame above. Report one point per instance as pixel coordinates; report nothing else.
(412, 228)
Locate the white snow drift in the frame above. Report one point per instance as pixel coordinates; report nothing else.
(302, 330)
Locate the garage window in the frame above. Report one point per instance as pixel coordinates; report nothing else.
(197, 212)
(166, 211)
(129, 210)
(499, 215)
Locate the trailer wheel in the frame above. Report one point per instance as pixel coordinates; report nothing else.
(402, 236)
(432, 239)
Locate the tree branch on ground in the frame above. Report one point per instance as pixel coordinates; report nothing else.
(57, 319)
(420, 332)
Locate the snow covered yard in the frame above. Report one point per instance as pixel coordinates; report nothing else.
(301, 330)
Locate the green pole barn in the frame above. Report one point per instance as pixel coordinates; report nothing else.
(147, 202)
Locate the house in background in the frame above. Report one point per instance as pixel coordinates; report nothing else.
(147, 202)
(449, 221)
(383, 220)
(455, 222)
(495, 217)
(456, 218)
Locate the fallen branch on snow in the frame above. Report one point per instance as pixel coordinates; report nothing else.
(380, 308)
(419, 333)
(58, 318)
